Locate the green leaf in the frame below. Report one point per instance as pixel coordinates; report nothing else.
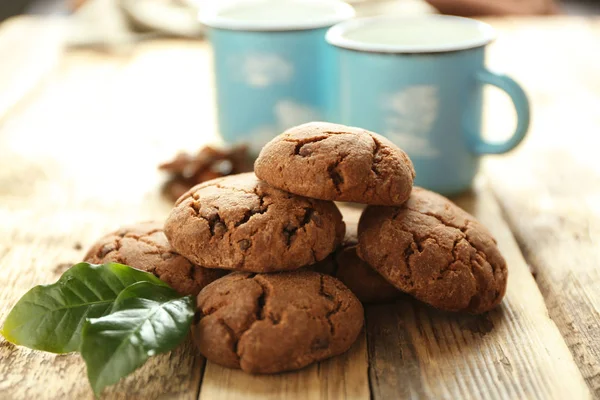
(145, 320)
(50, 317)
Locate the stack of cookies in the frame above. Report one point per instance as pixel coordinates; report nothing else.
(283, 235)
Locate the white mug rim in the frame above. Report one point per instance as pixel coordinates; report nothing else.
(341, 11)
(335, 36)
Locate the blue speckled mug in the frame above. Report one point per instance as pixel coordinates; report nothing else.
(272, 65)
(418, 81)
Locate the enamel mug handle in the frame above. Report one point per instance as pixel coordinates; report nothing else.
(519, 98)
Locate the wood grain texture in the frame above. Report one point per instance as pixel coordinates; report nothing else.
(512, 352)
(78, 158)
(78, 161)
(342, 377)
(29, 258)
(549, 188)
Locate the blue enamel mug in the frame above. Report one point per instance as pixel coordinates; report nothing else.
(271, 65)
(418, 81)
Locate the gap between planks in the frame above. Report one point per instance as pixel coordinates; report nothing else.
(519, 355)
(558, 232)
(549, 187)
(512, 352)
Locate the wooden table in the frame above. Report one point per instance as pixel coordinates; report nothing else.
(81, 134)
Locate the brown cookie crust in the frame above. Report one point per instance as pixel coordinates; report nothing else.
(435, 251)
(336, 162)
(144, 246)
(366, 283)
(242, 223)
(269, 323)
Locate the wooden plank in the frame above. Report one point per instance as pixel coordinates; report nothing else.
(123, 105)
(512, 352)
(549, 188)
(342, 377)
(559, 234)
(28, 258)
(78, 161)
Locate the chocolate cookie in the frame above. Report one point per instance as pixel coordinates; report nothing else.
(269, 323)
(242, 223)
(435, 251)
(336, 162)
(144, 246)
(356, 274)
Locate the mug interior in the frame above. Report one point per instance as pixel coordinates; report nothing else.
(426, 34)
(276, 15)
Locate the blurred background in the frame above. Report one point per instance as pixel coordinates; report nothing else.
(142, 13)
(116, 26)
(10, 8)
(125, 82)
(113, 25)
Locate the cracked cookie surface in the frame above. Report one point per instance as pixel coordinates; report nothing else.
(269, 323)
(144, 246)
(242, 223)
(364, 281)
(336, 162)
(435, 251)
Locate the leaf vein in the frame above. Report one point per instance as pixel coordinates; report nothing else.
(127, 337)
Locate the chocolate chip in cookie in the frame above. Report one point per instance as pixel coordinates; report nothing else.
(269, 323)
(435, 251)
(242, 223)
(144, 246)
(336, 162)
